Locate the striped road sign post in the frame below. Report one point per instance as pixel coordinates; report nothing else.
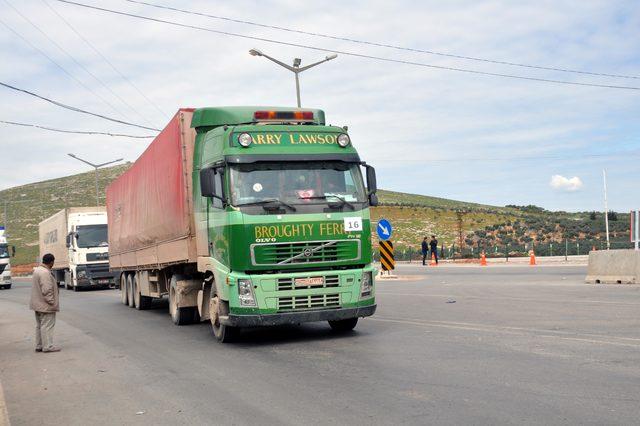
(386, 256)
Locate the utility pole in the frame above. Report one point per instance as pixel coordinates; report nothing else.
(606, 208)
(459, 218)
(96, 167)
(296, 69)
(635, 228)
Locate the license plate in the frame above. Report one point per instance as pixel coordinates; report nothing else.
(307, 282)
(103, 281)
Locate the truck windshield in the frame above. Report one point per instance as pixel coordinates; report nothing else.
(297, 182)
(4, 251)
(91, 236)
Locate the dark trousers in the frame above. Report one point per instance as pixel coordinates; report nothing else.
(435, 254)
(424, 257)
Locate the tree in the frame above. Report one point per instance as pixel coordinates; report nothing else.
(613, 216)
(592, 216)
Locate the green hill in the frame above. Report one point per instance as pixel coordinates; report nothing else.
(391, 198)
(495, 229)
(27, 205)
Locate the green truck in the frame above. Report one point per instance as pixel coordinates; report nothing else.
(246, 216)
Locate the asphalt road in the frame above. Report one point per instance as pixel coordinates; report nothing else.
(520, 345)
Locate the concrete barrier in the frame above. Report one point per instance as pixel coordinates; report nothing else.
(614, 267)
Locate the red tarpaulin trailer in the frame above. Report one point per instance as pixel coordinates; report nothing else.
(150, 206)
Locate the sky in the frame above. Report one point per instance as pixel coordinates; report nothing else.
(432, 131)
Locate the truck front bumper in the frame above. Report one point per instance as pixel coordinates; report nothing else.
(234, 320)
(96, 275)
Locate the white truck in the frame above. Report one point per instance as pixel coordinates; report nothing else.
(5, 260)
(77, 238)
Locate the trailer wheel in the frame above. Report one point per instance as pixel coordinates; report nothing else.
(130, 298)
(179, 316)
(342, 326)
(124, 296)
(223, 333)
(141, 302)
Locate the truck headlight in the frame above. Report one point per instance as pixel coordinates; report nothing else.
(366, 285)
(343, 140)
(81, 273)
(244, 139)
(245, 293)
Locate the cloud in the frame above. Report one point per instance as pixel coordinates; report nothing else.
(562, 183)
(448, 134)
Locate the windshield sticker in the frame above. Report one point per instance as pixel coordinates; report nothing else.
(257, 187)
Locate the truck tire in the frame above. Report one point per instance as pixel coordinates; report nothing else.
(131, 299)
(180, 316)
(67, 280)
(141, 302)
(224, 333)
(124, 296)
(342, 326)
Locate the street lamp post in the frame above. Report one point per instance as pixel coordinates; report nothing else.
(96, 167)
(296, 68)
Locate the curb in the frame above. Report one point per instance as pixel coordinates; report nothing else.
(4, 413)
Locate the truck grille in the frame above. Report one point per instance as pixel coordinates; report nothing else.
(316, 301)
(308, 252)
(288, 283)
(93, 257)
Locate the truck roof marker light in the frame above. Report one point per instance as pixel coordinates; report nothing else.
(244, 139)
(283, 115)
(344, 140)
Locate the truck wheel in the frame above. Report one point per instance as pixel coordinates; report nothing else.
(124, 296)
(130, 298)
(180, 316)
(223, 333)
(142, 302)
(345, 325)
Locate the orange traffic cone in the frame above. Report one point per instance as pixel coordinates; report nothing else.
(532, 258)
(483, 260)
(433, 260)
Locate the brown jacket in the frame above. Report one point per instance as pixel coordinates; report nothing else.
(44, 291)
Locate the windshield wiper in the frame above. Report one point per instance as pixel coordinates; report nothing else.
(343, 202)
(264, 203)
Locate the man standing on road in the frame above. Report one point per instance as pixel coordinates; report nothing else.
(434, 248)
(45, 303)
(425, 250)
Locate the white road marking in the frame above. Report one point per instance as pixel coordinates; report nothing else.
(522, 331)
(523, 299)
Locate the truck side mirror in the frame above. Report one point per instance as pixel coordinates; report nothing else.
(13, 251)
(373, 199)
(69, 239)
(211, 183)
(372, 185)
(207, 183)
(219, 185)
